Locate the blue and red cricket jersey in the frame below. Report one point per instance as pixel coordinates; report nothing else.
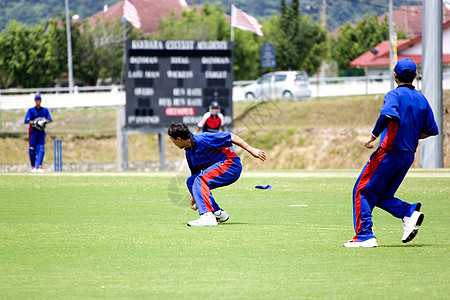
(36, 138)
(210, 122)
(388, 165)
(34, 113)
(413, 111)
(213, 163)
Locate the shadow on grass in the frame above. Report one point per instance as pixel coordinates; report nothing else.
(220, 224)
(405, 246)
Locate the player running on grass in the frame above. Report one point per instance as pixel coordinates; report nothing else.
(213, 164)
(405, 118)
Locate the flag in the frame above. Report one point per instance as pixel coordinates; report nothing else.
(447, 4)
(130, 14)
(243, 21)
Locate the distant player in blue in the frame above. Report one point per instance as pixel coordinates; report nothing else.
(405, 118)
(213, 120)
(213, 164)
(37, 117)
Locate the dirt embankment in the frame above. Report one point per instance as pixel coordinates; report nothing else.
(310, 148)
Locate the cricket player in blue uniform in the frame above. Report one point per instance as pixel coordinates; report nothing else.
(37, 117)
(406, 117)
(213, 163)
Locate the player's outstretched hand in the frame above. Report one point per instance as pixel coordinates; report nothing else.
(369, 141)
(253, 151)
(258, 154)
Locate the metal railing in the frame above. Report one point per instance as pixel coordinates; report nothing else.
(241, 83)
(331, 80)
(57, 90)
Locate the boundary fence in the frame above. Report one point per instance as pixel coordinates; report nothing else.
(114, 95)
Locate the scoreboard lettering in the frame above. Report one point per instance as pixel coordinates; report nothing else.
(176, 81)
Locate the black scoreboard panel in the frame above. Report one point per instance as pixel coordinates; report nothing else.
(176, 81)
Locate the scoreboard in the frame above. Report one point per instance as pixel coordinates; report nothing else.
(176, 81)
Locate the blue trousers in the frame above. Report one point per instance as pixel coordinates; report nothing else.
(376, 186)
(36, 149)
(219, 174)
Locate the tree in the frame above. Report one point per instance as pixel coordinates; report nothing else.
(37, 56)
(106, 40)
(246, 55)
(56, 51)
(209, 24)
(352, 42)
(289, 38)
(108, 44)
(84, 55)
(299, 43)
(22, 56)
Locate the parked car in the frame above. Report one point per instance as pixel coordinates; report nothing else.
(277, 85)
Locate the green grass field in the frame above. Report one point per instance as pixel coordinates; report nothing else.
(124, 236)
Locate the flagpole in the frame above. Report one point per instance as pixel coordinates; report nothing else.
(122, 74)
(232, 28)
(69, 48)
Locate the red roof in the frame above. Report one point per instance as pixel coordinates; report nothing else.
(150, 12)
(380, 57)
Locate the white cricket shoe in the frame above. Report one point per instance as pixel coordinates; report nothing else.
(411, 226)
(33, 170)
(221, 216)
(40, 170)
(207, 219)
(370, 243)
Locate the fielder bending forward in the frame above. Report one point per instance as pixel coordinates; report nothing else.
(405, 118)
(213, 164)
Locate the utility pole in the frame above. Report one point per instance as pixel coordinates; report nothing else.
(69, 48)
(321, 72)
(431, 149)
(391, 42)
(324, 13)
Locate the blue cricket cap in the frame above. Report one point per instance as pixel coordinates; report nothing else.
(38, 96)
(214, 104)
(405, 66)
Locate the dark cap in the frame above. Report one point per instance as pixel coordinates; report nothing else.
(214, 104)
(405, 66)
(38, 96)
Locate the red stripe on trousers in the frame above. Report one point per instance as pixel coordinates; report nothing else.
(29, 134)
(365, 178)
(388, 141)
(221, 169)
